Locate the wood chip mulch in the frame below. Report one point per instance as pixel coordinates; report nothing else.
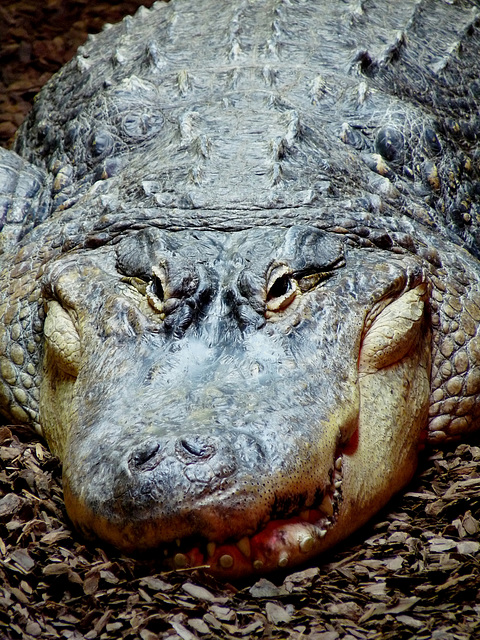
(414, 573)
(37, 37)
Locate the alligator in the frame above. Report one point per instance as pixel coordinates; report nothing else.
(240, 278)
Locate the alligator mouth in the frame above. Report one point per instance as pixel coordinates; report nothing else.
(293, 530)
(281, 543)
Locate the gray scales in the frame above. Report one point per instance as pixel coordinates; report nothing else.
(239, 279)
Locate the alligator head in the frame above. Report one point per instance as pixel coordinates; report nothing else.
(238, 400)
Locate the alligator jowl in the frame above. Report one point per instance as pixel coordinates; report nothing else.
(239, 282)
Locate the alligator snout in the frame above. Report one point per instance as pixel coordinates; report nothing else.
(209, 484)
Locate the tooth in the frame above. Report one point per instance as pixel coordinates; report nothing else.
(306, 545)
(178, 542)
(339, 463)
(257, 565)
(327, 506)
(283, 559)
(180, 560)
(226, 561)
(211, 548)
(305, 514)
(338, 484)
(322, 533)
(244, 546)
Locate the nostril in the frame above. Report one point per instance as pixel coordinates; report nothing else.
(198, 447)
(145, 457)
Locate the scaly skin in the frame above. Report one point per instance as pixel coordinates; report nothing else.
(239, 280)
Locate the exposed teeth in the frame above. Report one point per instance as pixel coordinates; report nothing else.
(283, 559)
(317, 515)
(306, 545)
(244, 546)
(327, 506)
(226, 561)
(180, 560)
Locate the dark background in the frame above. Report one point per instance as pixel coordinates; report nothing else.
(36, 38)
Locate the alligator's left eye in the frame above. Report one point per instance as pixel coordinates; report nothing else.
(284, 286)
(282, 289)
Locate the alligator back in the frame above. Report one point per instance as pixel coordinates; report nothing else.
(189, 102)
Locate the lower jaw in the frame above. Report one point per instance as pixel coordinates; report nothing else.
(281, 544)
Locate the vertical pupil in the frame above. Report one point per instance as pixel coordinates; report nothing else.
(279, 288)
(158, 288)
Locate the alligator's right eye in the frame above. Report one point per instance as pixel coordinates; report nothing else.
(156, 286)
(280, 287)
(156, 289)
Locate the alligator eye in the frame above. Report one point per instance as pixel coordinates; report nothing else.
(156, 289)
(281, 289)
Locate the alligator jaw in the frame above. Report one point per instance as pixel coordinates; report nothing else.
(279, 545)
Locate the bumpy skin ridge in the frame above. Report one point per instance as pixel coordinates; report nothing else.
(357, 118)
(438, 180)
